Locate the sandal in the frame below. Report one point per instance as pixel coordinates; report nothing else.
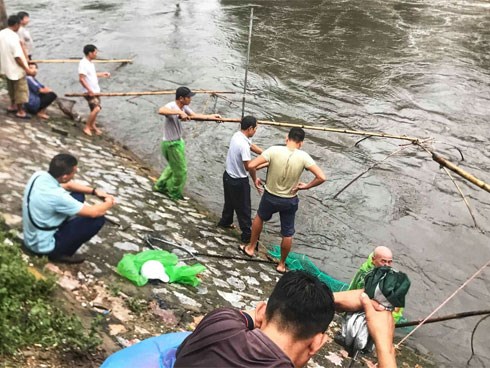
(26, 116)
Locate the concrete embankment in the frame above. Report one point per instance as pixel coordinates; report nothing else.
(92, 288)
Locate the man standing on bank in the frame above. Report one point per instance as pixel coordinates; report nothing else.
(55, 218)
(235, 178)
(286, 164)
(24, 34)
(173, 178)
(13, 65)
(89, 79)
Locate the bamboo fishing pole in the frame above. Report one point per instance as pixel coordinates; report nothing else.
(443, 318)
(443, 162)
(248, 60)
(312, 127)
(59, 61)
(147, 93)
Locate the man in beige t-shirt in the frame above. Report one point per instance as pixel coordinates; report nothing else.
(286, 164)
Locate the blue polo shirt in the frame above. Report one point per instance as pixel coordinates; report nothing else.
(49, 205)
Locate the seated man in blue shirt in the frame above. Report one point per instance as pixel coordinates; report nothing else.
(55, 218)
(40, 97)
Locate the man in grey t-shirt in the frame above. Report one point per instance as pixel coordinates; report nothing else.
(235, 178)
(173, 178)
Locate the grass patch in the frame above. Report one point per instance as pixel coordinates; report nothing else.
(27, 312)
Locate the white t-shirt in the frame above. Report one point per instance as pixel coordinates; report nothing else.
(25, 36)
(87, 68)
(9, 50)
(238, 152)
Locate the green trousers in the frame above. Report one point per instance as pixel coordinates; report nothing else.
(173, 178)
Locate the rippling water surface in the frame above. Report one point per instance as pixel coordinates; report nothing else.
(419, 68)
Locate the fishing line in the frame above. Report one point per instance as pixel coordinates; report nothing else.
(472, 337)
(442, 304)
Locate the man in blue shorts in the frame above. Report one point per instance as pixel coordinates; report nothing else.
(286, 164)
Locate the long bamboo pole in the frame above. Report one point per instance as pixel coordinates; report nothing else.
(248, 59)
(443, 318)
(312, 127)
(147, 93)
(58, 61)
(442, 161)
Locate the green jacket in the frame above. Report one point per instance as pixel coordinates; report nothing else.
(358, 283)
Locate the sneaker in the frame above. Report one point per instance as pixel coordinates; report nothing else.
(76, 258)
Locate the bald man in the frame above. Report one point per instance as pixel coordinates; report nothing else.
(382, 256)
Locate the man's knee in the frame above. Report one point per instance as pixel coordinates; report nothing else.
(99, 222)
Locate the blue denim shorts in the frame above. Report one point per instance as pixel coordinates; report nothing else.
(287, 207)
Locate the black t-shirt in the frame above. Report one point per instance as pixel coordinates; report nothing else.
(223, 339)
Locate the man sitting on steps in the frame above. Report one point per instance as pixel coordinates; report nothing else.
(56, 220)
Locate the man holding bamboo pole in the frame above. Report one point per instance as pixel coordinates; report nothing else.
(173, 178)
(286, 164)
(89, 79)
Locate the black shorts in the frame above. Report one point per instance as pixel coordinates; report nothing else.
(287, 207)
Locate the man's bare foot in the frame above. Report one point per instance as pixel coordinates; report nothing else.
(243, 249)
(281, 268)
(97, 131)
(87, 131)
(42, 116)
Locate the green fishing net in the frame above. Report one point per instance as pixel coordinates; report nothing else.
(301, 262)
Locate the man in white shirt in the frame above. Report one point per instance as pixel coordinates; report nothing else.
(25, 35)
(235, 178)
(89, 80)
(14, 66)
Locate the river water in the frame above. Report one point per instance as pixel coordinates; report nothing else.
(419, 68)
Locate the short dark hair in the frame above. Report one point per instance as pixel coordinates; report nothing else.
(13, 20)
(247, 122)
(297, 135)
(62, 164)
(301, 304)
(183, 92)
(88, 49)
(22, 15)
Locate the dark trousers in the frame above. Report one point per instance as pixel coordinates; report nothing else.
(74, 232)
(46, 99)
(237, 199)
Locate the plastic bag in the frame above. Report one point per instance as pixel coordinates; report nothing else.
(130, 266)
(185, 274)
(155, 352)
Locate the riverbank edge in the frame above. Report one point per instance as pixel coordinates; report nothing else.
(59, 125)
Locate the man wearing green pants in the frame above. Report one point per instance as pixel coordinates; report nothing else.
(173, 178)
